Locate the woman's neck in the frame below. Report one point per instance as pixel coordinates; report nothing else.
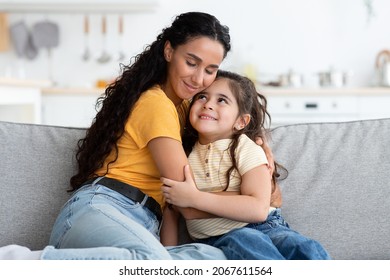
(171, 94)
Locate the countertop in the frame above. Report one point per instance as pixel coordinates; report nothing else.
(47, 88)
(356, 91)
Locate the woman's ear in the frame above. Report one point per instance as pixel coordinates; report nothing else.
(168, 50)
(242, 121)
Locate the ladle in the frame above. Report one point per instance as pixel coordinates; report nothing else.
(121, 54)
(86, 55)
(105, 56)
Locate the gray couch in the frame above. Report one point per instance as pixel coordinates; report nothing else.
(337, 190)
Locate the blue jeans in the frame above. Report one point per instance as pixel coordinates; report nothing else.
(98, 221)
(269, 240)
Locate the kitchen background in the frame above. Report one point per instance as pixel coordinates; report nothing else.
(288, 43)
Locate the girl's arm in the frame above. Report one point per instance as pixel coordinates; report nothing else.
(250, 206)
(192, 213)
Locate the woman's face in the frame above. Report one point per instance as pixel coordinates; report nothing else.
(192, 67)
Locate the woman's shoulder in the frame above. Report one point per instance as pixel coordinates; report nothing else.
(154, 92)
(154, 97)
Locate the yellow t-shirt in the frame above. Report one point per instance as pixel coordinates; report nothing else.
(154, 115)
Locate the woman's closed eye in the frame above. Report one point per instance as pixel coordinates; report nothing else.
(190, 64)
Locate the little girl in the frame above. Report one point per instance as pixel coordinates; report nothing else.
(233, 185)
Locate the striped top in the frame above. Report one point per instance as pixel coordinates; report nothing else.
(209, 164)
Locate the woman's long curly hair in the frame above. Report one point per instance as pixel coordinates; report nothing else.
(249, 101)
(148, 69)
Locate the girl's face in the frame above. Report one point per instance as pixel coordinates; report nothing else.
(215, 114)
(192, 67)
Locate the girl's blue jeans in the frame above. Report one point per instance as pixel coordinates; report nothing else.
(269, 240)
(104, 224)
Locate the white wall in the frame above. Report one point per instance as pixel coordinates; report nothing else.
(273, 35)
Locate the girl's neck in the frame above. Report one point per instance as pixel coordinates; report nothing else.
(208, 140)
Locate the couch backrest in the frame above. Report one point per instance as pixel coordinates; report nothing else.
(337, 191)
(338, 188)
(36, 164)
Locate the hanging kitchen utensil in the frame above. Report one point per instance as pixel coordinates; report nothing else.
(105, 56)
(382, 64)
(121, 54)
(22, 41)
(86, 54)
(19, 37)
(4, 32)
(45, 34)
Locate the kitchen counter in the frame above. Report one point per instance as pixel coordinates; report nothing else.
(47, 88)
(280, 91)
(71, 91)
(75, 106)
(4, 81)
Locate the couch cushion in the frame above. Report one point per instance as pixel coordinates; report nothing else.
(338, 189)
(37, 162)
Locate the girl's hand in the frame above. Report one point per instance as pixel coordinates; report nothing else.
(178, 193)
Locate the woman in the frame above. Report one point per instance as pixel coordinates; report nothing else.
(135, 139)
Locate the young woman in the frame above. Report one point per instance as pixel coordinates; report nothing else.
(224, 121)
(135, 139)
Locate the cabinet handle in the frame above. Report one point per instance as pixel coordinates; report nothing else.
(311, 105)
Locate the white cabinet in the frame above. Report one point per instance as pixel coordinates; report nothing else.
(288, 106)
(294, 109)
(68, 109)
(20, 104)
(373, 107)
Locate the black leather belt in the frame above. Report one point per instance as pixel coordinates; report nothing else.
(130, 192)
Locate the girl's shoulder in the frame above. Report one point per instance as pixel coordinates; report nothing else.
(248, 146)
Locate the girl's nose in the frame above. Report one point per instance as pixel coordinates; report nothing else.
(208, 106)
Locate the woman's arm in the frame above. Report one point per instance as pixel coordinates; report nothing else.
(276, 195)
(250, 206)
(169, 233)
(170, 159)
(268, 153)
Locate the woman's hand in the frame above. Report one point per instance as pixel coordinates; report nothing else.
(178, 193)
(268, 153)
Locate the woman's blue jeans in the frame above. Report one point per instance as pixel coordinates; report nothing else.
(101, 220)
(269, 240)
